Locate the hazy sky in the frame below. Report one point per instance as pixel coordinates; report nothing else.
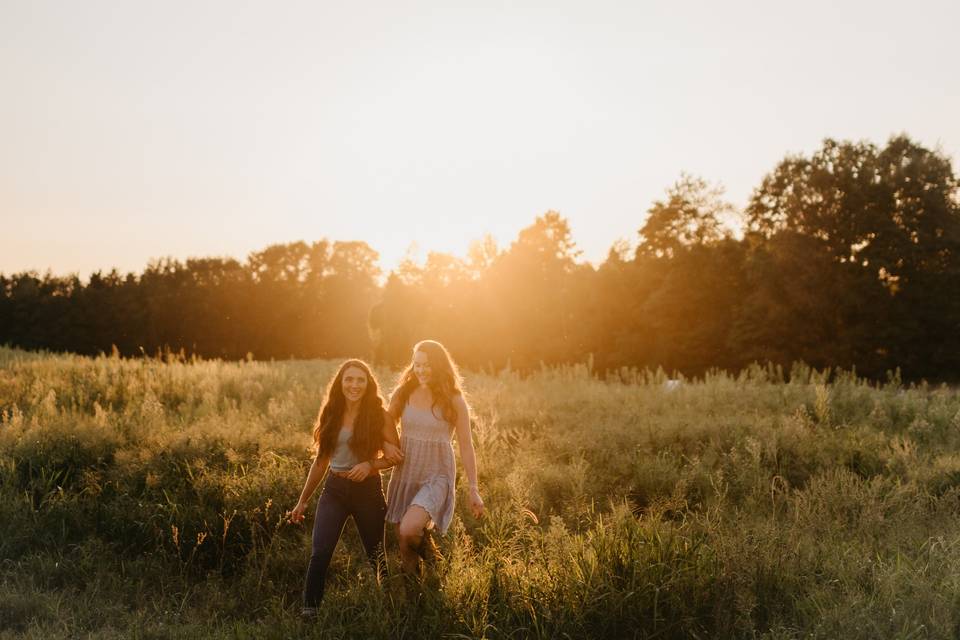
(133, 130)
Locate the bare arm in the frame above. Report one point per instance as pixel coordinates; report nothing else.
(395, 410)
(314, 476)
(392, 454)
(467, 454)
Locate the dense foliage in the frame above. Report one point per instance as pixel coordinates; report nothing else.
(849, 258)
(145, 499)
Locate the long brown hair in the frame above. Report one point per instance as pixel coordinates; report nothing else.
(367, 436)
(445, 382)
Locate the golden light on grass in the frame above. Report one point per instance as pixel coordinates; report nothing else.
(615, 506)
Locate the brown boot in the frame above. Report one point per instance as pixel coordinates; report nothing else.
(428, 549)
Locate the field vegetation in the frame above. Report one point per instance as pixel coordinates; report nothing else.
(145, 499)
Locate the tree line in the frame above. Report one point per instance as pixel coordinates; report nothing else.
(849, 257)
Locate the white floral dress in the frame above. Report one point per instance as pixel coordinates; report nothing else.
(428, 472)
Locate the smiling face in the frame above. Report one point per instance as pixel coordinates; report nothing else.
(421, 367)
(354, 384)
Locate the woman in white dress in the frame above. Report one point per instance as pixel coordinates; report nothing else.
(429, 403)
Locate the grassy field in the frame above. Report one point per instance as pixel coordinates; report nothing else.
(145, 499)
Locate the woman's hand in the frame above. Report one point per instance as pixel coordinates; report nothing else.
(392, 453)
(295, 515)
(476, 502)
(359, 472)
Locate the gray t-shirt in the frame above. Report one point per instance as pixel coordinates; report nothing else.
(343, 458)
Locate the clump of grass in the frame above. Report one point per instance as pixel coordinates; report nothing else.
(145, 499)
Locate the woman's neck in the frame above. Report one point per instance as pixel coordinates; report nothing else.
(350, 411)
(423, 393)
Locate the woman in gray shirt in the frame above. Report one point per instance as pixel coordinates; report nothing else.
(351, 430)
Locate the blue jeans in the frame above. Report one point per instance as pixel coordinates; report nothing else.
(339, 499)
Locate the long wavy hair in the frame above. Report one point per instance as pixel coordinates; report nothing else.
(367, 436)
(445, 382)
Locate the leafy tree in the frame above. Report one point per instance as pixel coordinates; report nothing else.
(349, 292)
(693, 214)
(533, 308)
(677, 298)
(891, 214)
(851, 257)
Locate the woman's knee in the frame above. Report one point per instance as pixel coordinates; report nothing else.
(409, 536)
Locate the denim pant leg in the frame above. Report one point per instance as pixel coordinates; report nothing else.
(327, 527)
(369, 510)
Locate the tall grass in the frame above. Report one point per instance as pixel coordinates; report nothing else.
(145, 499)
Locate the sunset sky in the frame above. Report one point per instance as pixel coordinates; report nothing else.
(133, 130)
